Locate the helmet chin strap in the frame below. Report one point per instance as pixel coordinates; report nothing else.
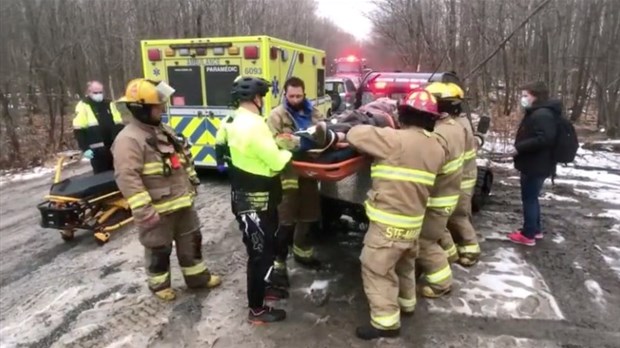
(260, 108)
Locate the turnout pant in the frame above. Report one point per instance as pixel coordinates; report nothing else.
(388, 275)
(182, 227)
(433, 260)
(299, 209)
(259, 229)
(461, 228)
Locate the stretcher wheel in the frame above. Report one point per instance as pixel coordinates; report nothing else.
(67, 235)
(102, 237)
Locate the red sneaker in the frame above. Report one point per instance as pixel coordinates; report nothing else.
(517, 237)
(539, 235)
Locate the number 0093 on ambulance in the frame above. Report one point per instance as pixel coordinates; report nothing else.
(202, 71)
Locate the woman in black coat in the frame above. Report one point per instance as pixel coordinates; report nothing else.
(533, 156)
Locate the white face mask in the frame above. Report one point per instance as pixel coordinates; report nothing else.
(97, 97)
(524, 102)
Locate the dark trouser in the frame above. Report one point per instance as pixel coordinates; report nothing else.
(530, 190)
(259, 229)
(102, 161)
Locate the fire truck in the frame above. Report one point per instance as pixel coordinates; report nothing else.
(202, 71)
(350, 67)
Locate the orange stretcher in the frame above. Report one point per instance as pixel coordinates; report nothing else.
(334, 171)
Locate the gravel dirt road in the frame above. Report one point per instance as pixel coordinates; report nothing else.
(563, 293)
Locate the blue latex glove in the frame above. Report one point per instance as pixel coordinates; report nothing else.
(89, 154)
(221, 168)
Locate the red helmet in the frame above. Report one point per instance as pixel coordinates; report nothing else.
(421, 100)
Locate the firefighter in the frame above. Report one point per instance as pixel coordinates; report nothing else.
(433, 260)
(297, 215)
(254, 163)
(402, 179)
(155, 173)
(460, 226)
(96, 124)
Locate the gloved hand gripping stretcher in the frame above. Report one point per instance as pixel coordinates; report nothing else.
(332, 159)
(89, 202)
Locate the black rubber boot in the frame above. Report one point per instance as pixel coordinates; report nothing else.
(266, 315)
(275, 294)
(369, 332)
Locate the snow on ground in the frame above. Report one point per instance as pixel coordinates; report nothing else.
(558, 238)
(553, 197)
(34, 173)
(612, 257)
(595, 290)
(504, 285)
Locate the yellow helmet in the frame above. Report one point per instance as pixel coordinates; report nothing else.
(445, 90)
(144, 91)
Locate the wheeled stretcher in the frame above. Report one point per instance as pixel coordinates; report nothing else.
(89, 202)
(336, 164)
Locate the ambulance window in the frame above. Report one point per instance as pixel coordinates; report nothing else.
(320, 84)
(218, 82)
(186, 82)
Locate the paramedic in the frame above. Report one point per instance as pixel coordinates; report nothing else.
(155, 172)
(402, 179)
(95, 125)
(433, 260)
(255, 161)
(300, 206)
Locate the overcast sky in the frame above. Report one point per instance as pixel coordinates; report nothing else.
(348, 14)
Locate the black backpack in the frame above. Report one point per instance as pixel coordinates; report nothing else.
(566, 141)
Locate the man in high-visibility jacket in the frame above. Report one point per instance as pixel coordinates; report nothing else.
(402, 179)
(155, 173)
(433, 260)
(96, 124)
(254, 163)
(460, 225)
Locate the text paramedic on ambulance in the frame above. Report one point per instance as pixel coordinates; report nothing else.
(402, 179)
(155, 173)
(245, 142)
(96, 124)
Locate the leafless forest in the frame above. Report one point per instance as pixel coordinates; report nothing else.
(49, 48)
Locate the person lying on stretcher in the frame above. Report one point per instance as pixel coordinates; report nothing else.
(325, 140)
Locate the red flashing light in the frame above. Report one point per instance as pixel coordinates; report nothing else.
(250, 52)
(380, 85)
(351, 58)
(413, 86)
(154, 54)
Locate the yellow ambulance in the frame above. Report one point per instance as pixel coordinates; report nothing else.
(202, 71)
